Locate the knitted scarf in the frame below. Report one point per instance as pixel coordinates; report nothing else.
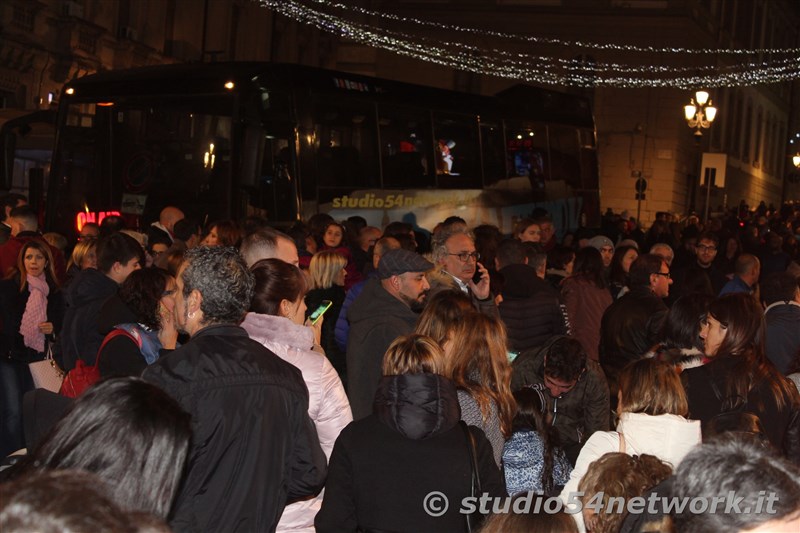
(35, 313)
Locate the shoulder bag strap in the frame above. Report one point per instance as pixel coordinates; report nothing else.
(116, 332)
(622, 446)
(475, 489)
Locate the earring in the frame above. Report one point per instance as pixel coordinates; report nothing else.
(190, 314)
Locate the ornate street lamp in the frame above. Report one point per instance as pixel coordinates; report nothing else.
(700, 112)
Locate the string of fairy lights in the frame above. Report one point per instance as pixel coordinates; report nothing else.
(782, 64)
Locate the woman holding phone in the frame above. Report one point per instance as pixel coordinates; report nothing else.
(277, 320)
(328, 273)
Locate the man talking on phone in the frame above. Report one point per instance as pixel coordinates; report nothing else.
(458, 267)
(385, 309)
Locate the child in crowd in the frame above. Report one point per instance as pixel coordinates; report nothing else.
(532, 461)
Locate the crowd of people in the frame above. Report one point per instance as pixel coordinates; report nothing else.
(334, 376)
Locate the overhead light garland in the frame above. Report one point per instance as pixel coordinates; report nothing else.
(543, 69)
(547, 40)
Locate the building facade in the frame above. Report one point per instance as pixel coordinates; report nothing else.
(641, 132)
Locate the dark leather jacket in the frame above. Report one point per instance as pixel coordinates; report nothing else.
(254, 446)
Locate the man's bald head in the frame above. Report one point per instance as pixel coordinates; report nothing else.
(169, 216)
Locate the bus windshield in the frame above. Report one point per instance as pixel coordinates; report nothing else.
(138, 155)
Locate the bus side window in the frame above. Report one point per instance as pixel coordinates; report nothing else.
(457, 151)
(405, 146)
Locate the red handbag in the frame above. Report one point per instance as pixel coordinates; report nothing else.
(84, 376)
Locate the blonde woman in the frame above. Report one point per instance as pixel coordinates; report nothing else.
(477, 364)
(412, 445)
(327, 276)
(652, 410)
(84, 256)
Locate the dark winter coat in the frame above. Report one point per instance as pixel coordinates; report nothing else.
(384, 465)
(530, 309)
(12, 307)
(253, 445)
(121, 356)
(80, 336)
(704, 404)
(630, 327)
(376, 319)
(783, 334)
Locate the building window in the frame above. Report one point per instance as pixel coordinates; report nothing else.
(87, 42)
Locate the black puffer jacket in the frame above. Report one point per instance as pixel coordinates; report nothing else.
(630, 327)
(383, 466)
(253, 445)
(530, 309)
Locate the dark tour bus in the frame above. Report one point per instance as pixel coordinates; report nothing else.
(228, 140)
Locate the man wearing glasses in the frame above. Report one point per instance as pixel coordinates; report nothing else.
(458, 267)
(701, 275)
(631, 325)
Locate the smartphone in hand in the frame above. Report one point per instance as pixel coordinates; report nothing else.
(477, 276)
(319, 311)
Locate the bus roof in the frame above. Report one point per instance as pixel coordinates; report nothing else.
(522, 101)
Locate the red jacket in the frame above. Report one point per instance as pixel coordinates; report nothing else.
(9, 252)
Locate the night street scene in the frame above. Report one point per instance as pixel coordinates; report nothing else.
(479, 266)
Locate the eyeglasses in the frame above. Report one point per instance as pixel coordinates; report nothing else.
(667, 275)
(466, 256)
(704, 248)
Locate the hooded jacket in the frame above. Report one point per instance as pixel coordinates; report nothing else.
(80, 335)
(376, 319)
(327, 406)
(577, 413)
(253, 445)
(384, 465)
(668, 437)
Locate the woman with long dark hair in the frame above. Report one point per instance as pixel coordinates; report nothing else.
(144, 308)
(277, 320)
(586, 297)
(31, 313)
(222, 233)
(129, 433)
(739, 377)
(619, 282)
(679, 340)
